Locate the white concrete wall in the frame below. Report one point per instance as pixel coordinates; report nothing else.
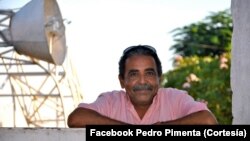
(240, 69)
(42, 134)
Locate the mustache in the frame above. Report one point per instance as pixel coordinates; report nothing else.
(142, 87)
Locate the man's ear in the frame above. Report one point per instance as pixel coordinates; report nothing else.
(121, 81)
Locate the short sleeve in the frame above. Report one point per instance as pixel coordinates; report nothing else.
(101, 105)
(188, 105)
(184, 104)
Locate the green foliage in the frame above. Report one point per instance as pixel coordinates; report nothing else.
(206, 78)
(203, 65)
(209, 37)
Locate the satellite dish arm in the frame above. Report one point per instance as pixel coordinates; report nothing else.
(4, 28)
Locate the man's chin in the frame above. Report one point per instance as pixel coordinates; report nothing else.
(144, 98)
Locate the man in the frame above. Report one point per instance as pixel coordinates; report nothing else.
(143, 101)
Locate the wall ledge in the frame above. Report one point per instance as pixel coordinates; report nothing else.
(42, 134)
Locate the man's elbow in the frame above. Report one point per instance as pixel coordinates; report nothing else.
(210, 118)
(211, 121)
(73, 121)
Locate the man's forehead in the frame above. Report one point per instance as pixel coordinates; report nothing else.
(140, 63)
(140, 57)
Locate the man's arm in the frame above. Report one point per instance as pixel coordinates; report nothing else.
(200, 118)
(80, 117)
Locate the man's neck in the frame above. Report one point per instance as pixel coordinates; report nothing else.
(141, 110)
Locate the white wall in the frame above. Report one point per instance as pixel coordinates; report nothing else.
(240, 69)
(42, 134)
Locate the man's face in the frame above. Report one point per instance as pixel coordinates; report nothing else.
(141, 79)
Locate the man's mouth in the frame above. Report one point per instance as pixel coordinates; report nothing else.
(145, 87)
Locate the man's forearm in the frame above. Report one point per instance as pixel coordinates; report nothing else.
(81, 117)
(199, 118)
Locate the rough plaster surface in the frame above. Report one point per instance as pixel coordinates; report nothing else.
(240, 69)
(42, 134)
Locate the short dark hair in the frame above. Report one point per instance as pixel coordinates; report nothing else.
(139, 50)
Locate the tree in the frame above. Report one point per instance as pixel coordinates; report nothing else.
(202, 64)
(206, 78)
(210, 37)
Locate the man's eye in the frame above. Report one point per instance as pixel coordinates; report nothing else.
(150, 73)
(132, 74)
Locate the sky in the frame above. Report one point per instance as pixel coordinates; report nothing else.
(99, 30)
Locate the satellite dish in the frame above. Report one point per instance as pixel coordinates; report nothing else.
(37, 30)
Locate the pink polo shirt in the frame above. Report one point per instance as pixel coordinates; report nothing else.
(168, 104)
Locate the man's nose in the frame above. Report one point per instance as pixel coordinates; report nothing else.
(142, 79)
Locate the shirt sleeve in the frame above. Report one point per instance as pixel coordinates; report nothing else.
(101, 105)
(188, 105)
